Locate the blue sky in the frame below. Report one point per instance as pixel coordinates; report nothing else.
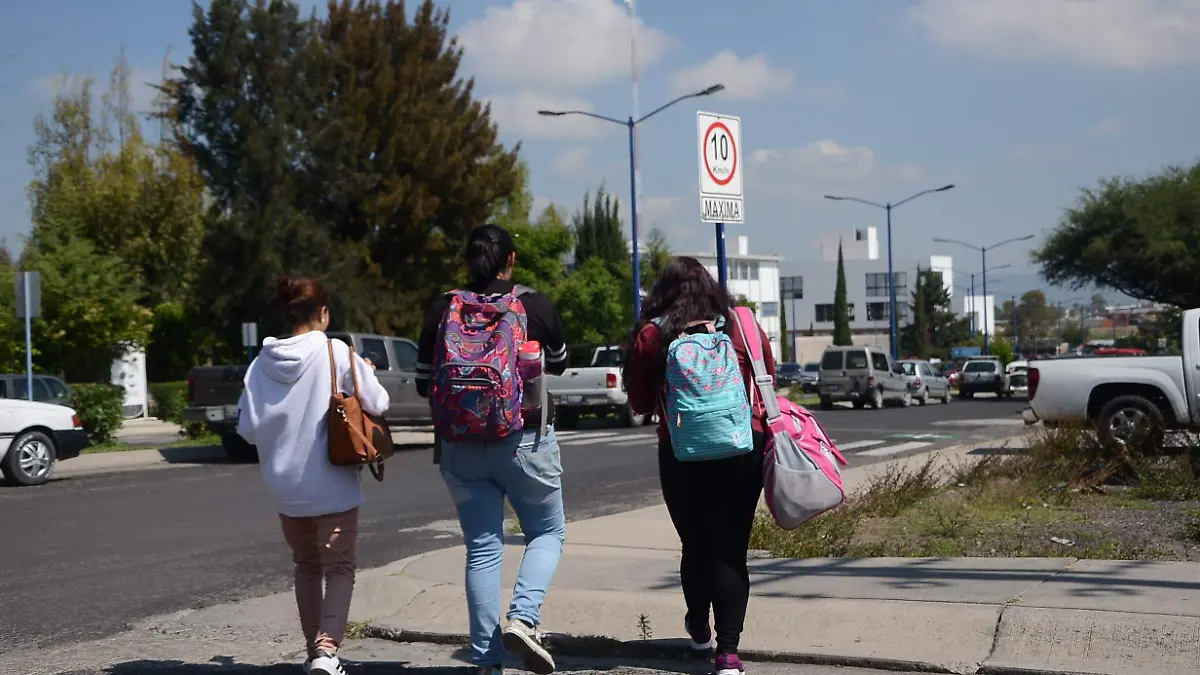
(1019, 102)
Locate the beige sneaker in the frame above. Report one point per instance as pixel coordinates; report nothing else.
(521, 638)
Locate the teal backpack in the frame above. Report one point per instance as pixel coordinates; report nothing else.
(706, 401)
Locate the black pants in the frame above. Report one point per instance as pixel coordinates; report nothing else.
(712, 505)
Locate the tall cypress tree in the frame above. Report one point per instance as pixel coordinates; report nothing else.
(841, 311)
(920, 320)
(599, 233)
(788, 340)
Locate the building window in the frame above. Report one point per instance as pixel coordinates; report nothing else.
(791, 288)
(753, 271)
(859, 235)
(825, 313)
(901, 287)
(877, 285)
(768, 309)
(878, 311)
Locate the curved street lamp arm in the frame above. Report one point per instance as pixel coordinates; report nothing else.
(696, 94)
(561, 113)
(1010, 241)
(857, 199)
(973, 247)
(922, 193)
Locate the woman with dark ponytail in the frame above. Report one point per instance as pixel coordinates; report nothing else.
(524, 466)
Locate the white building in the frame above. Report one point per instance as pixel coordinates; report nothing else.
(754, 277)
(973, 309)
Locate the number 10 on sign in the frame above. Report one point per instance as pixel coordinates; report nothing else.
(720, 146)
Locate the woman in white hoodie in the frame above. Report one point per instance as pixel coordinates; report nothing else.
(283, 412)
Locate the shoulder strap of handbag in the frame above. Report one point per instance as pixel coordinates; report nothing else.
(754, 347)
(333, 378)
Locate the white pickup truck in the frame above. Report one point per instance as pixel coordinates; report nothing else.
(595, 389)
(1127, 397)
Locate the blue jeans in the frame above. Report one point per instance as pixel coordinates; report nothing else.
(527, 470)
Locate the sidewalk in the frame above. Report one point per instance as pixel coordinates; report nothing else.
(952, 615)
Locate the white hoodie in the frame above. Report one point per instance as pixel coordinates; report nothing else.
(283, 412)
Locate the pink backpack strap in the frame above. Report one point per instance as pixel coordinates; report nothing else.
(754, 346)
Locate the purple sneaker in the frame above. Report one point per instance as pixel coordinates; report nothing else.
(702, 639)
(729, 664)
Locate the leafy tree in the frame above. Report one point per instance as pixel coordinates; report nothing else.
(1001, 349)
(90, 311)
(741, 301)
(1135, 236)
(598, 234)
(12, 330)
(541, 245)
(1034, 316)
(944, 328)
(590, 305)
(655, 258)
(1099, 303)
(841, 311)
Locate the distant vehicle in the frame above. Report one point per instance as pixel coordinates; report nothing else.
(788, 374)
(597, 388)
(811, 377)
(214, 391)
(38, 436)
(46, 388)
(865, 376)
(1128, 397)
(1118, 351)
(1018, 376)
(984, 376)
(924, 382)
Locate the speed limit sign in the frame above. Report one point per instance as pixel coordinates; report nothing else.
(720, 146)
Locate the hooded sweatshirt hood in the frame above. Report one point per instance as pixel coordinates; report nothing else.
(287, 360)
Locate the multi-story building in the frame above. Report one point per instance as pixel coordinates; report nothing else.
(810, 293)
(754, 277)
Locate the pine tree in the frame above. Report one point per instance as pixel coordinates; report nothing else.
(920, 330)
(786, 348)
(598, 234)
(841, 311)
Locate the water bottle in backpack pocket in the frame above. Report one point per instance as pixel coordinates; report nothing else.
(707, 406)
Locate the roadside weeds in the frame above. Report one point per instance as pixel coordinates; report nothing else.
(1066, 495)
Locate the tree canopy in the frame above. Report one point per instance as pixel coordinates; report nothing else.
(1138, 236)
(841, 310)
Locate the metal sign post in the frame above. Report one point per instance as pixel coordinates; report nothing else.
(720, 142)
(29, 305)
(249, 339)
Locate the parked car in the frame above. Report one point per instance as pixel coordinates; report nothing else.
(810, 377)
(865, 376)
(37, 436)
(984, 376)
(1018, 377)
(214, 391)
(46, 388)
(924, 382)
(788, 375)
(1128, 398)
(597, 388)
(953, 374)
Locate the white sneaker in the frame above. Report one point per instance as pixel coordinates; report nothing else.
(521, 638)
(326, 664)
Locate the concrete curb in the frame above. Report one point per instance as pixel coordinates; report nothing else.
(676, 650)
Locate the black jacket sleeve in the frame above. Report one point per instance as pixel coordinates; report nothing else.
(429, 335)
(546, 326)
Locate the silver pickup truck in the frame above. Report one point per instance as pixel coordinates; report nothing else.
(1126, 397)
(597, 389)
(213, 391)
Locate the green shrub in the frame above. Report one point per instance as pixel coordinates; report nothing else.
(100, 408)
(168, 401)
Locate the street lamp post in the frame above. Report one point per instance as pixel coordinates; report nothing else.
(891, 275)
(983, 253)
(631, 125)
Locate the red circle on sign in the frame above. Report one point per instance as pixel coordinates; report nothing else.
(732, 144)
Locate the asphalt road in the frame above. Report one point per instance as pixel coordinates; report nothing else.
(84, 557)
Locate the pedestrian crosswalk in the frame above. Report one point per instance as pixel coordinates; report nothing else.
(647, 438)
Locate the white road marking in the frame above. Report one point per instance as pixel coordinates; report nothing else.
(889, 450)
(984, 422)
(587, 435)
(856, 444)
(639, 439)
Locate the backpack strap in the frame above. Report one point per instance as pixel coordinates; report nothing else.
(754, 347)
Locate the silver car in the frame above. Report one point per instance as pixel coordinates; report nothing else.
(865, 376)
(925, 382)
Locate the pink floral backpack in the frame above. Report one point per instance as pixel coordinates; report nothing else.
(801, 479)
(475, 388)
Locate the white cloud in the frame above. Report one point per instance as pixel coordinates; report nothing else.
(823, 167)
(571, 159)
(563, 43)
(517, 115)
(1106, 127)
(659, 208)
(745, 79)
(1103, 33)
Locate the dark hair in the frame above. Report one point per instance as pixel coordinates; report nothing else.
(685, 292)
(487, 252)
(300, 299)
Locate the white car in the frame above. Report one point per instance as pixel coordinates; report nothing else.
(34, 437)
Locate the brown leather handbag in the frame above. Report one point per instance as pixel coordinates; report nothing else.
(356, 437)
